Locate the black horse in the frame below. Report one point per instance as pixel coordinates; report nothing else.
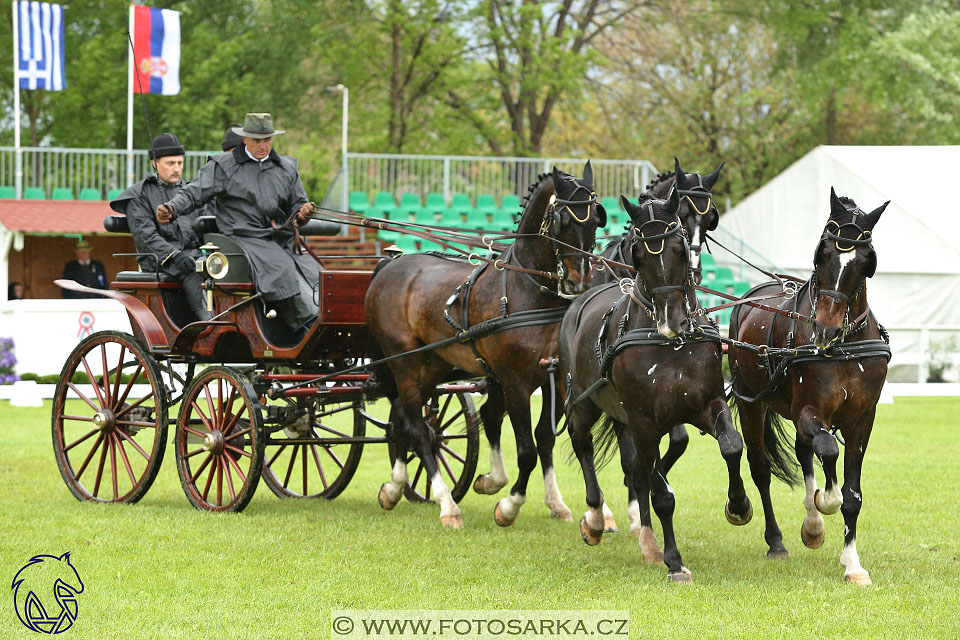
(653, 366)
(825, 378)
(421, 299)
(698, 214)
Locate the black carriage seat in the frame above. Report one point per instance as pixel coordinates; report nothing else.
(118, 224)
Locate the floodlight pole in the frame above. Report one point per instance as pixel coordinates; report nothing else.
(344, 180)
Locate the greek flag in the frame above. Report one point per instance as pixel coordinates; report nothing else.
(40, 46)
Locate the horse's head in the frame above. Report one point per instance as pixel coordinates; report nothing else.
(660, 253)
(698, 212)
(843, 261)
(569, 222)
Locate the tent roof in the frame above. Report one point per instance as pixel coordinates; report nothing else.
(53, 216)
(785, 217)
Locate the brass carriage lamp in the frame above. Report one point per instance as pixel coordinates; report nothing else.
(215, 266)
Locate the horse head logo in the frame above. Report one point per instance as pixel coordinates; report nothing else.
(37, 579)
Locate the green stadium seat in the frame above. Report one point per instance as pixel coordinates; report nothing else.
(723, 280)
(8, 192)
(410, 206)
(407, 243)
(740, 288)
(478, 219)
(485, 211)
(62, 193)
(510, 205)
(34, 193)
(435, 203)
(426, 216)
(451, 217)
(461, 204)
(113, 194)
(486, 203)
(90, 193)
(359, 202)
(383, 205)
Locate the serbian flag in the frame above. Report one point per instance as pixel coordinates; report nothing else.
(156, 50)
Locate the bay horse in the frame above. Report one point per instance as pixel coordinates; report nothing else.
(636, 354)
(824, 378)
(698, 214)
(419, 299)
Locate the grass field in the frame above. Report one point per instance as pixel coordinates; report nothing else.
(161, 569)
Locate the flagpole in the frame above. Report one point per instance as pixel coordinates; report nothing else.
(18, 152)
(130, 176)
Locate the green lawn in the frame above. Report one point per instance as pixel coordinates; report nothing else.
(161, 569)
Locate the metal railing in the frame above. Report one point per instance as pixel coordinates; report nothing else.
(50, 168)
(475, 175)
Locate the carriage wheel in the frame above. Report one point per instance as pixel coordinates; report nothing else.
(219, 440)
(110, 426)
(455, 428)
(316, 470)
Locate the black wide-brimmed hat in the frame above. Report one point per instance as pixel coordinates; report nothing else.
(166, 144)
(230, 138)
(258, 126)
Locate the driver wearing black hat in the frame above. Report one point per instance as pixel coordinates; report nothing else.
(170, 248)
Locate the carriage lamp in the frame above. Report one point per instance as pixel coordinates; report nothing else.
(213, 263)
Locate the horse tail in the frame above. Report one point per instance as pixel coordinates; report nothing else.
(779, 447)
(388, 384)
(604, 441)
(380, 265)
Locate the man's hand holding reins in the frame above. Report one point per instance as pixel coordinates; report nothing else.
(306, 212)
(164, 213)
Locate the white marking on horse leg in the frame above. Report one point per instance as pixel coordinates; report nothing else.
(497, 478)
(812, 528)
(633, 511)
(852, 570)
(830, 500)
(609, 522)
(510, 506)
(594, 518)
(449, 511)
(398, 479)
(553, 499)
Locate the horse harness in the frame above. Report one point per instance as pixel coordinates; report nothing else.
(549, 228)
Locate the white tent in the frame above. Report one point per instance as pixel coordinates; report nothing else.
(916, 289)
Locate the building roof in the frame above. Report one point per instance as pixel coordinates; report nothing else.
(53, 216)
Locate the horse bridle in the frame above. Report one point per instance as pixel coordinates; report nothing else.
(550, 227)
(672, 228)
(864, 238)
(699, 190)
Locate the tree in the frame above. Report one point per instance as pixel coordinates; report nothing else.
(534, 55)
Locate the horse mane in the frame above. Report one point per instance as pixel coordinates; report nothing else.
(660, 177)
(531, 189)
(847, 202)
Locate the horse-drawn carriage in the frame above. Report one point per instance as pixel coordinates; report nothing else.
(246, 397)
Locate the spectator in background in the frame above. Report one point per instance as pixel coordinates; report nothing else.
(85, 270)
(15, 291)
(231, 138)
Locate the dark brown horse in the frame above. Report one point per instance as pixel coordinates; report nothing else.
(421, 299)
(698, 214)
(636, 354)
(824, 378)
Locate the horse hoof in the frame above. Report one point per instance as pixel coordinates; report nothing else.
(811, 541)
(499, 519)
(778, 554)
(562, 514)
(591, 536)
(384, 500)
(452, 522)
(610, 526)
(479, 486)
(736, 520)
(681, 577)
(859, 579)
(635, 532)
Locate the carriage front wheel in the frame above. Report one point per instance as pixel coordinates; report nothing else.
(109, 419)
(455, 442)
(219, 440)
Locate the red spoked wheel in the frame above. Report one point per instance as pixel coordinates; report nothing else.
(109, 419)
(219, 440)
(294, 467)
(455, 442)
